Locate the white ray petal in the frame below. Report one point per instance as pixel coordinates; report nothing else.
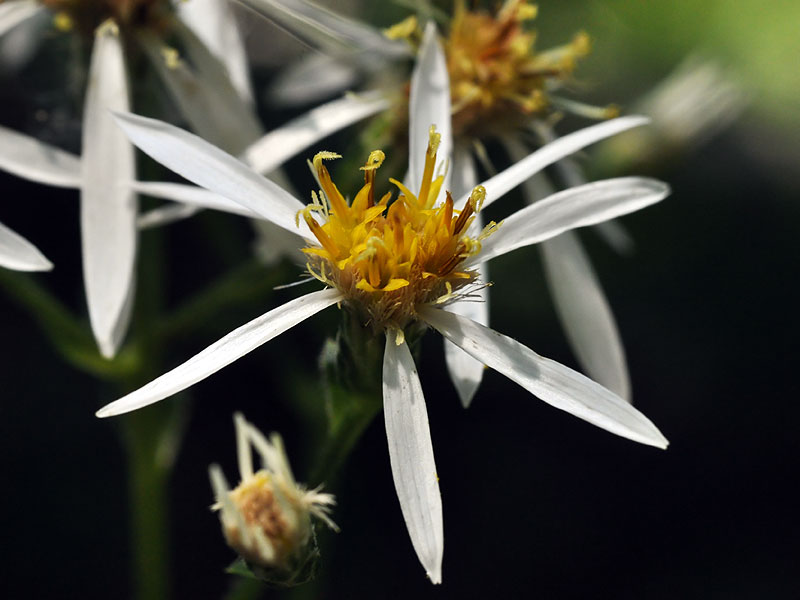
(233, 346)
(230, 515)
(511, 177)
(465, 372)
(578, 297)
(211, 168)
(19, 254)
(201, 88)
(108, 206)
(571, 208)
(411, 455)
(243, 453)
(14, 12)
(193, 196)
(276, 147)
(429, 104)
(327, 30)
(555, 384)
(585, 314)
(29, 158)
(311, 79)
(214, 22)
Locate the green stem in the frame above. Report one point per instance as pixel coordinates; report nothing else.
(148, 477)
(67, 335)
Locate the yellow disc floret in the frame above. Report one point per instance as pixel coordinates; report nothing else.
(495, 72)
(386, 256)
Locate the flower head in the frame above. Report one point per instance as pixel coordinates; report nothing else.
(267, 517)
(389, 257)
(498, 80)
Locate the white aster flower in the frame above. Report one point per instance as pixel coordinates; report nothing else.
(267, 517)
(500, 87)
(398, 267)
(19, 254)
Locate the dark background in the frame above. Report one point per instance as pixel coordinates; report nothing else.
(536, 503)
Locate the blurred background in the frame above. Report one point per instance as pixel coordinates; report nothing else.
(536, 503)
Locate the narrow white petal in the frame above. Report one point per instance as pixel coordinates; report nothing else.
(411, 456)
(511, 177)
(585, 314)
(108, 206)
(215, 24)
(429, 104)
(548, 380)
(14, 12)
(211, 168)
(571, 208)
(29, 158)
(233, 346)
(19, 254)
(166, 214)
(201, 88)
(327, 30)
(466, 372)
(276, 147)
(193, 196)
(230, 515)
(243, 452)
(616, 236)
(311, 79)
(578, 297)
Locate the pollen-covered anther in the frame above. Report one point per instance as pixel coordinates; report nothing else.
(390, 257)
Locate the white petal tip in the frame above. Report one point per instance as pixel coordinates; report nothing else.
(466, 391)
(435, 576)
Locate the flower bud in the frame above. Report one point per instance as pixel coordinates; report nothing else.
(266, 519)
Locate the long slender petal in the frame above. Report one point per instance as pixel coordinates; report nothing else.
(466, 372)
(220, 354)
(29, 158)
(327, 30)
(571, 208)
(311, 79)
(429, 104)
(211, 168)
(584, 313)
(108, 206)
(411, 455)
(193, 196)
(555, 384)
(202, 90)
(511, 177)
(215, 24)
(14, 12)
(19, 254)
(272, 150)
(578, 297)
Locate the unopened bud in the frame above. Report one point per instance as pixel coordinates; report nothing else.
(267, 517)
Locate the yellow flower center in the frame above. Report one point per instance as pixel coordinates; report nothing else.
(389, 257)
(495, 72)
(275, 512)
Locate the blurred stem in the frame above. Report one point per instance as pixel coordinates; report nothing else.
(68, 336)
(148, 477)
(251, 281)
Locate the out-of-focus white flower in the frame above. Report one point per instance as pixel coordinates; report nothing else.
(397, 267)
(696, 101)
(105, 172)
(19, 254)
(267, 517)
